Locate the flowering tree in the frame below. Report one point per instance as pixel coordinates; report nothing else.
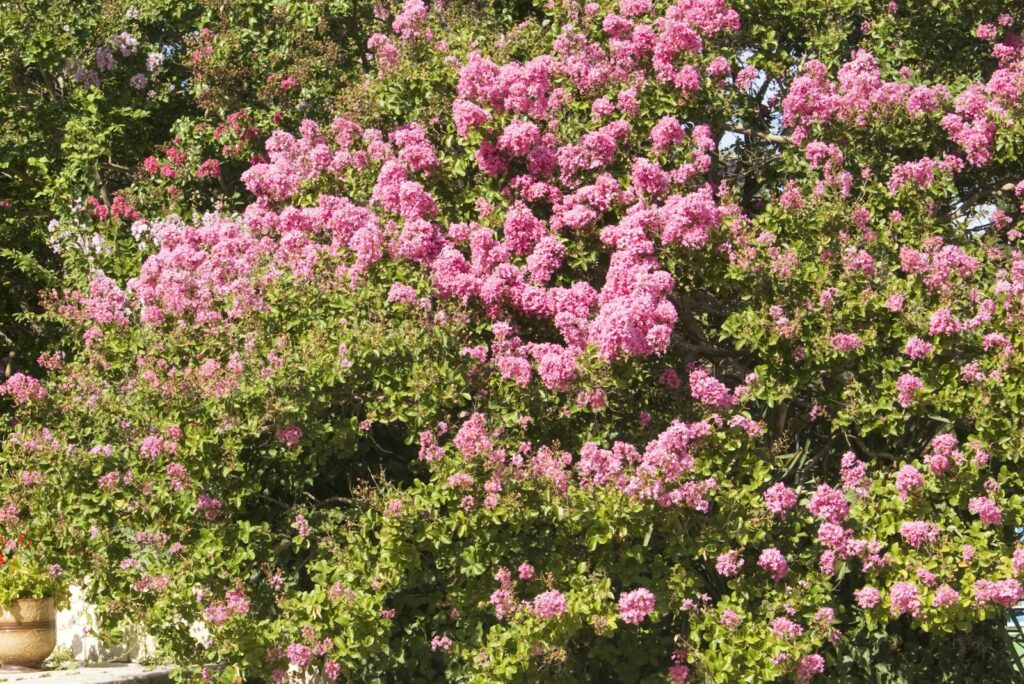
(103, 99)
(640, 340)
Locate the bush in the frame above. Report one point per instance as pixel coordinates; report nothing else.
(634, 342)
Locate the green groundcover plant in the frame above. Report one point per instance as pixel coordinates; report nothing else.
(620, 341)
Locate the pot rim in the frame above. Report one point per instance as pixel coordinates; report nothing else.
(35, 612)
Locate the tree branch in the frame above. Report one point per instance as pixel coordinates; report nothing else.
(862, 445)
(770, 137)
(104, 193)
(978, 196)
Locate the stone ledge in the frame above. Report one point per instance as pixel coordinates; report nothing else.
(111, 673)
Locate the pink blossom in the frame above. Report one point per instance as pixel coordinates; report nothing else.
(895, 303)
(678, 673)
(986, 31)
(986, 509)
(904, 599)
(23, 389)
(945, 596)
(859, 261)
(402, 294)
(289, 436)
(210, 507)
(853, 472)
(440, 643)
(845, 342)
(648, 177)
(730, 619)
(784, 628)
(598, 466)
(943, 322)
(908, 479)
(808, 667)
(545, 259)
(209, 168)
(556, 366)
(234, 604)
(774, 563)
(393, 508)
(666, 133)
(299, 655)
(907, 387)
(687, 219)
(918, 349)
(472, 438)
(834, 536)
(178, 476)
(918, 532)
(827, 562)
(779, 498)
(728, 564)
(332, 670)
(410, 23)
(635, 605)
(549, 604)
(1018, 560)
(467, 116)
(1005, 593)
(635, 316)
(709, 391)
(109, 481)
(867, 597)
(719, 67)
(829, 504)
(503, 602)
(430, 450)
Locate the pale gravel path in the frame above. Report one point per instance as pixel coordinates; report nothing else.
(112, 673)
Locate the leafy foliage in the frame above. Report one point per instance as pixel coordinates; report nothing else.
(628, 341)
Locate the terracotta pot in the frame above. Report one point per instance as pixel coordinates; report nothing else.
(28, 632)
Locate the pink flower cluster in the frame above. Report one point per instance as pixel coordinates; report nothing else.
(728, 564)
(1005, 593)
(197, 270)
(918, 532)
(921, 173)
(709, 391)
(784, 628)
(235, 604)
(549, 604)
(774, 563)
(829, 504)
(861, 96)
(907, 387)
(867, 597)
(23, 389)
(635, 605)
(779, 498)
(987, 510)
(904, 598)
